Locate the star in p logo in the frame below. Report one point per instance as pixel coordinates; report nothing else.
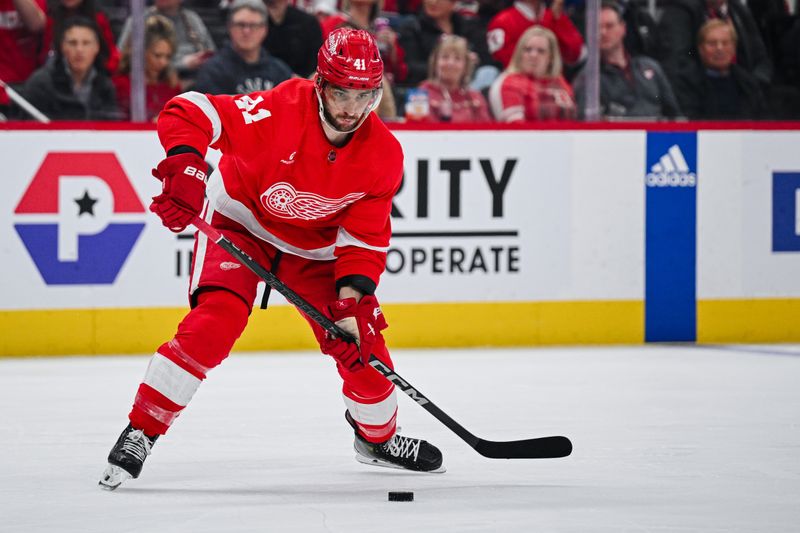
(85, 204)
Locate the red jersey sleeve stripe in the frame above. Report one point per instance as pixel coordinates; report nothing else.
(205, 105)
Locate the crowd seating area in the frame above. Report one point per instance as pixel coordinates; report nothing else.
(445, 60)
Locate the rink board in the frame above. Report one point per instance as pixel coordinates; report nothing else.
(501, 238)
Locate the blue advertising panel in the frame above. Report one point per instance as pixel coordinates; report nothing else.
(670, 237)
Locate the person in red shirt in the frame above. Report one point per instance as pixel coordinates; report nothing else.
(506, 27)
(161, 79)
(449, 96)
(21, 25)
(532, 88)
(305, 187)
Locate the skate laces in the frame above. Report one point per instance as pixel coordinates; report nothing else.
(137, 444)
(402, 447)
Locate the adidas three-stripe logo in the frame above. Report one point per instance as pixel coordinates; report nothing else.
(671, 171)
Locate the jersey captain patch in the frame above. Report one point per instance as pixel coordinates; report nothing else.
(284, 201)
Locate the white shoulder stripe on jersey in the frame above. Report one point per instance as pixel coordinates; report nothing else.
(201, 101)
(343, 238)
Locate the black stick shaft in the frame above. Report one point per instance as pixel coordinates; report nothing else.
(271, 280)
(532, 448)
(423, 401)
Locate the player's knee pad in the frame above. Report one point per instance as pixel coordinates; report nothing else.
(208, 332)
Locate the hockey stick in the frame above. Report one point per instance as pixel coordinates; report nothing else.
(538, 448)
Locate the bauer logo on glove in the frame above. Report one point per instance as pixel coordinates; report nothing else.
(197, 173)
(183, 190)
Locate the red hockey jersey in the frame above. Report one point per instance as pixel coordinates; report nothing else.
(280, 177)
(507, 27)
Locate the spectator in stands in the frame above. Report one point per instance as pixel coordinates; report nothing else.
(293, 36)
(161, 80)
(21, 25)
(641, 37)
(679, 26)
(630, 86)
(365, 15)
(718, 88)
(195, 45)
(243, 65)
(449, 97)
(506, 28)
(532, 88)
(63, 9)
(75, 85)
(419, 36)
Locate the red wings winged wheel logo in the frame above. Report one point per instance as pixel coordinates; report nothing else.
(284, 201)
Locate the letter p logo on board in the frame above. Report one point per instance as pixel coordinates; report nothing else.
(786, 211)
(79, 218)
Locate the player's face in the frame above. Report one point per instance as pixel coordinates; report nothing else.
(535, 58)
(344, 107)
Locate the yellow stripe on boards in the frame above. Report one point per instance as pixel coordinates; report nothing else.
(120, 331)
(514, 324)
(763, 320)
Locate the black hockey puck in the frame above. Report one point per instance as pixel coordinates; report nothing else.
(401, 496)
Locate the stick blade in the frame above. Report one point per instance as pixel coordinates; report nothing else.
(540, 448)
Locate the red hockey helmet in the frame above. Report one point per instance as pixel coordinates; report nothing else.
(350, 58)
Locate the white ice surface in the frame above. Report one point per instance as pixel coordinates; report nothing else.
(666, 439)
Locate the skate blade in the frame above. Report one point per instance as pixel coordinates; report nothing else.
(113, 477)
(385, 464)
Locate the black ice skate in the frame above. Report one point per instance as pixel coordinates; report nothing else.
(402, 452)
(126, 457)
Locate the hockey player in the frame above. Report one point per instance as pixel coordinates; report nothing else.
(304, 186)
